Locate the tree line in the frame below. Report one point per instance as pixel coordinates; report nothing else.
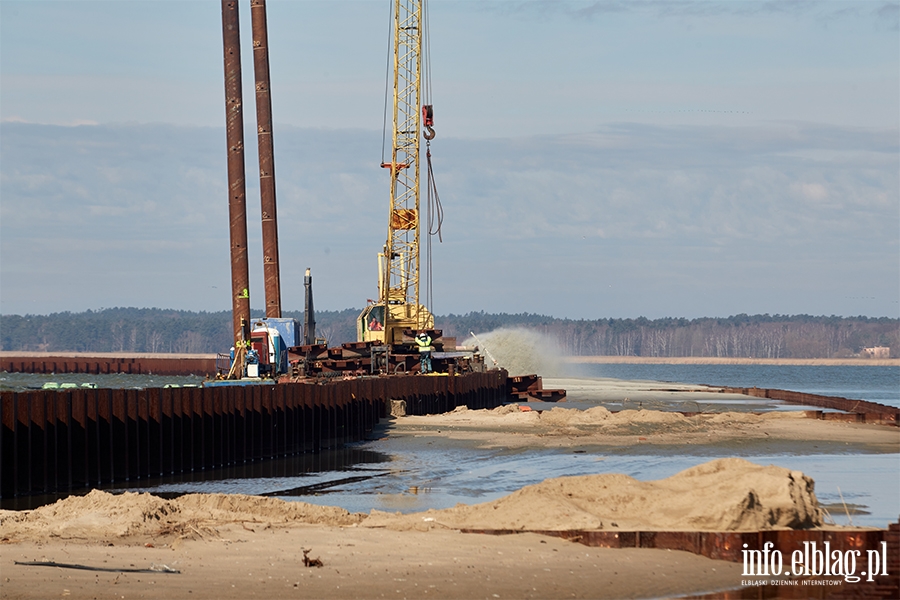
(757, 336)
(739, 336)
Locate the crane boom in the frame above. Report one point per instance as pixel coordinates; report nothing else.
(398, 307)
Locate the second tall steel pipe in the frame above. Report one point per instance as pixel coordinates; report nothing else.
(271, 269)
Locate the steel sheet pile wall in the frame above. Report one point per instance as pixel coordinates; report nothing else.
(98, 364)
(858, 410)
(55, 441)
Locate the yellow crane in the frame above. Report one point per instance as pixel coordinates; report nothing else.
(397, 307)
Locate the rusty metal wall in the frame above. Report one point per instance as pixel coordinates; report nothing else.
(861, 410)
(101, 365)
(62, 441)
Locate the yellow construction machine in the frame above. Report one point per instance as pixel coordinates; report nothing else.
(398, 308)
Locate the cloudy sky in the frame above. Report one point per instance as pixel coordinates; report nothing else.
(594, 159)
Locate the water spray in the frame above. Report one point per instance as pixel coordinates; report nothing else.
(486, 351)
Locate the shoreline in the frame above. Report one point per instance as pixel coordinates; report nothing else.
(599, 431)
(711, 360)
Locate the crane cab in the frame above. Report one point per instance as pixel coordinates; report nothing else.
(370, 324)
(385, 323)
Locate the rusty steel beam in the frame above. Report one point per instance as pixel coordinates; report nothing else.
(96, 365)
(237, 191)
(271, 269)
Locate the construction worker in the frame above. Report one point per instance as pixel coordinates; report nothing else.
(423, 340)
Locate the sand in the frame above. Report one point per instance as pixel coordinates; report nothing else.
(729, 494)
(512, 427)
(237, 563)
(233, 546)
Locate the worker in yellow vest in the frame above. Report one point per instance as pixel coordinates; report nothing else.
(423, 340)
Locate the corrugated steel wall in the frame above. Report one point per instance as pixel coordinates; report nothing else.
(57, 441)
(143, 365)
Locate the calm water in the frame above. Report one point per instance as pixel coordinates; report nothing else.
(875, 384)
(410, 474)
(19, 382)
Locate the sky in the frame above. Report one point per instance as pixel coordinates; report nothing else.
(593, 159)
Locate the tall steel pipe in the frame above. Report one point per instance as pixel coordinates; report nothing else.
(237, 192)
(271, 269)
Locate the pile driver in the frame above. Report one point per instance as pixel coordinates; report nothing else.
(398, 308)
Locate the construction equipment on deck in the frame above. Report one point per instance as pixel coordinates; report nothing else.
(272, 348)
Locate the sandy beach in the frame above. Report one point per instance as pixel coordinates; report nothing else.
(263, 560)
(232, 546)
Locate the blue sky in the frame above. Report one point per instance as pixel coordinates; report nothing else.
(594, 159)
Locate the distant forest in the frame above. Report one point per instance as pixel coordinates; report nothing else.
(757, 336)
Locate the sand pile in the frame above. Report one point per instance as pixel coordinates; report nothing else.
(558, 418)
(83, 516)
(508, 415)
(100, 514)
(238, 507)
(723, 495)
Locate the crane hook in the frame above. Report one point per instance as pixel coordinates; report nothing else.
(428, 121)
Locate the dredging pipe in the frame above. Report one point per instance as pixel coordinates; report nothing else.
(237, 192)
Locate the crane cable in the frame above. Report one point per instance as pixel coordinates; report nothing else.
(387, 79)
(426, 55)
(435, 220)
(435, 212)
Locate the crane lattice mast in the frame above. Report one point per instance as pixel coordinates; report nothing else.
(401, 284)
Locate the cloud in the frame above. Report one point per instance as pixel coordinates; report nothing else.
(632, 217)
(889, 15)
(886, 12)
(812, 191)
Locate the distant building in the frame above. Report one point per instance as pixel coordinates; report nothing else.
(876, 352)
